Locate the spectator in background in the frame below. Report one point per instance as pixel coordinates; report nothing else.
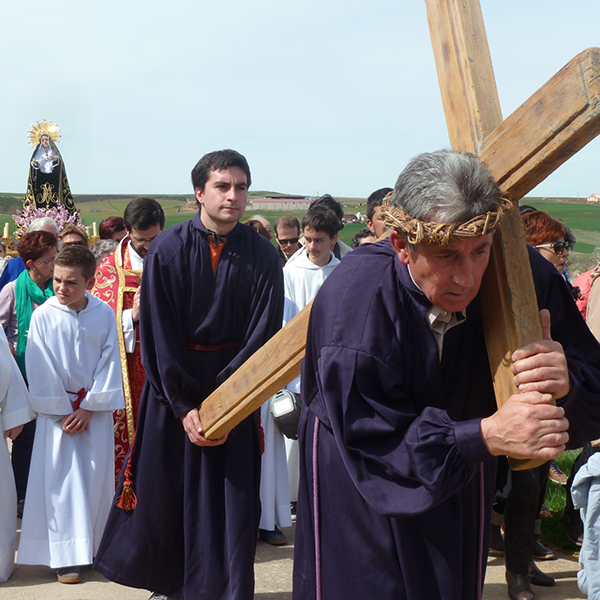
(16, 266)
(112, 228)
(340, 249)
(102, 248)
(72, 235)
(364, 236)
(374, 202)
(259, 226)
(3, 258)
(18, 300)
(287, 235)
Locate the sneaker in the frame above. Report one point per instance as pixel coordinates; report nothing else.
(68, 575)
(274, 537)
(557, 475)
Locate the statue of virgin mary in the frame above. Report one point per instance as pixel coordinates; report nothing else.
(47, 186)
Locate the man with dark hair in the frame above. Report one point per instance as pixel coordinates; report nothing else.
(327, 201)
(212, 295)
(118, 281)
(287, 235)
(374, 202)
(364, 236)
(400, 426)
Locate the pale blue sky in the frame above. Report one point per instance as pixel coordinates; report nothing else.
(320, 95)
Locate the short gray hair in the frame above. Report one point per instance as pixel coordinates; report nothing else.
(445, 186)
(38, 224)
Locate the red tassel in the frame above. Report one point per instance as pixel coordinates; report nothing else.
(128, 500)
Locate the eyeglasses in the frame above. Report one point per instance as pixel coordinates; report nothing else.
(558, 247)
(290, 241)
(46, 262)
(78, 243)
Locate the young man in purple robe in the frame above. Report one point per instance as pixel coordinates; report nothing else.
(400, 427)
(212, 294)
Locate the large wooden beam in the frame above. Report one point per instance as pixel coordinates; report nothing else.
(266, 372)
(547, 129)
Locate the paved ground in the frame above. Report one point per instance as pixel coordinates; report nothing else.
(273, 580)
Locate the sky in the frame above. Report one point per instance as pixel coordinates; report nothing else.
(321, 96)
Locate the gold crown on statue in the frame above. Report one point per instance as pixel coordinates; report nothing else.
(38, 129)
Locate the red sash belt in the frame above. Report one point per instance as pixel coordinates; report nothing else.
(80, 396)
(202, 348)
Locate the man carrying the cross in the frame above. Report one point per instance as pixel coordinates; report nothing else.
(400, 425)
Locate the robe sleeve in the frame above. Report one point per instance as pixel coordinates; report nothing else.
(48, 394)
(106, 391)
(403, 461)
(14, 397)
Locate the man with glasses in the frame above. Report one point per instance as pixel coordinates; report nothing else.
(287, 234)
(118, 281)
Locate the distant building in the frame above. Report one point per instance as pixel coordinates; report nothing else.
(593, 198)
(282, 203)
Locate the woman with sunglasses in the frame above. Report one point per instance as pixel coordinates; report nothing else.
(72, 235)
(548, 237)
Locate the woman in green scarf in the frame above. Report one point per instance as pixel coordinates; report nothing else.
(32, 287)
(18, 300)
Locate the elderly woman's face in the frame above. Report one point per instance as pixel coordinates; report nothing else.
(557, 255)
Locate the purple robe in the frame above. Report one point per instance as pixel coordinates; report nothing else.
(403, 478)
(193, 532)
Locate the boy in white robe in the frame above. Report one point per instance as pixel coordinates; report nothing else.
(14, 402)
(75, 385)
(303, 276)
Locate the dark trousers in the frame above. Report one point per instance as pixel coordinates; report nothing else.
(21, 457)
(521, 501)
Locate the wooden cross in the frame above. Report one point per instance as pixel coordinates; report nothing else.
(521, 151)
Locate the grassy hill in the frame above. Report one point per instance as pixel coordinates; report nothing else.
(582, 218)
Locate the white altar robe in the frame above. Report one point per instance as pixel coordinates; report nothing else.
(71, 479)
(14, 402)
(302, 279)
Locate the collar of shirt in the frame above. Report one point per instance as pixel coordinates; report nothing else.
(137, 262)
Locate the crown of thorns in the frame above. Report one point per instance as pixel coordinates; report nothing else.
(429, 232)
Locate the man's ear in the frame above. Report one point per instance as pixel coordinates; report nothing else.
(198, 194)
(90, 284)
(334, 240)
(400, 246)
(370, 227)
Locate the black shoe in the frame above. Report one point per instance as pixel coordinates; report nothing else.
(536, 577)
(573, 527)
(274, 537)
(540, 552)
(496, 541)
(518, 587)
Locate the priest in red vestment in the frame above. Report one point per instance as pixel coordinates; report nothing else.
(118, 280)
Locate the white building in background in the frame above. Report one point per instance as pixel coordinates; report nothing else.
(593, 198)
(282, 203)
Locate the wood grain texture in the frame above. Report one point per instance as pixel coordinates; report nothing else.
(265, 373)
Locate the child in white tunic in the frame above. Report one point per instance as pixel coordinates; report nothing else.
(14, 402)
(75, 384)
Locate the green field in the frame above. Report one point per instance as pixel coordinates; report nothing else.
(583, 219)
